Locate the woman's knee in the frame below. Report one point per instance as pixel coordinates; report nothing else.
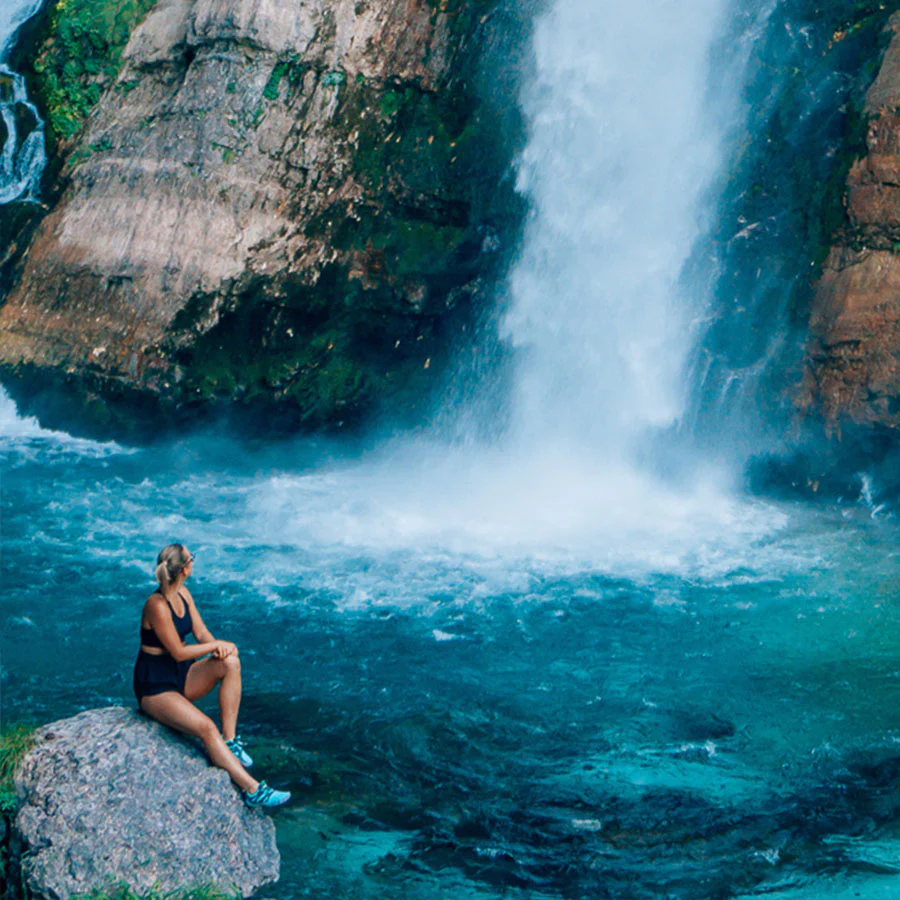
(207, 730)
(232, 663)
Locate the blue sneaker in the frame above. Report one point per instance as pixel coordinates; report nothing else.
(236, 746)
(265, 797)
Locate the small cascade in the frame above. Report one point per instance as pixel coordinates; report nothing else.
(23, 155)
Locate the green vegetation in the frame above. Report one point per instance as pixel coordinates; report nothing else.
(15, 742)
(417, 248)
(270, 91)
(392, 100)
(292, 68)
(81, 57)
(313, 370)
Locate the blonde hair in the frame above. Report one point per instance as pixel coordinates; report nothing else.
(170, 562)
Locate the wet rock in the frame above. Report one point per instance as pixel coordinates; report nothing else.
(700, 725)
(111, 796)
(7, 88)
(852, 372)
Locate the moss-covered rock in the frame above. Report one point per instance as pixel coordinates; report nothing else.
(80, 57)
(301, 227)
(15, 742)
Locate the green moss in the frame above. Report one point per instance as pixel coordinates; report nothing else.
(270, 91)
(418, 136)
(300, 356)
(393, 100)
(102, 146)
(256, 117)
(290, 68)
(15, 742)
(81, 57)
(416, 247)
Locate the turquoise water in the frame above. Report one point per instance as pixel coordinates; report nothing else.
(481, 683)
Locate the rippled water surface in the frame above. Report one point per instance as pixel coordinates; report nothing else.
(486, 679)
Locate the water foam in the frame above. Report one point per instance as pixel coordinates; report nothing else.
(548, 513)
(23, 439)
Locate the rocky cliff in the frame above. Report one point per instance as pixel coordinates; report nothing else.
(290, 207)
(852, 374)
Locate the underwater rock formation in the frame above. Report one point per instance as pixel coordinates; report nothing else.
(292, 206)
(110, 797)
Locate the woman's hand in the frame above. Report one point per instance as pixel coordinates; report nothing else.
(223, 649)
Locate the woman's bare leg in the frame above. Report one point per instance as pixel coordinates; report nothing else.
(203, 676)
(176, 711)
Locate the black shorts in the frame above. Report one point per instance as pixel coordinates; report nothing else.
(158, 674)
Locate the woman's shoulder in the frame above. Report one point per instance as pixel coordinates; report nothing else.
(154, 600)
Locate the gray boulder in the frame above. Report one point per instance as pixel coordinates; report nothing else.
(111, 796)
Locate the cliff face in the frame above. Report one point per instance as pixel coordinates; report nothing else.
(852, 374)
(289, 204)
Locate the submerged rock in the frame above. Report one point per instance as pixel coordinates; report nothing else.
(110, 796)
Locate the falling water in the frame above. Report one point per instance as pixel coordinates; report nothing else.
(23, 156)
(622, 149)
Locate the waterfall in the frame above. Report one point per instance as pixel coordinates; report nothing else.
(23, 156)
(622, 149)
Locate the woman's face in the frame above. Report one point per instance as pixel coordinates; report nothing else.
(189, 568)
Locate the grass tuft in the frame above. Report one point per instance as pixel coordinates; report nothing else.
(15, 742)
(122, 891)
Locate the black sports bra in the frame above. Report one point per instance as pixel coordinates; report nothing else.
(183, 624)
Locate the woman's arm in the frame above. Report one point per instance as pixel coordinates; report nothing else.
(161, 621)
(198, 626)
(203, 634)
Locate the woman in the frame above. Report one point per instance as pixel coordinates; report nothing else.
(170, 675)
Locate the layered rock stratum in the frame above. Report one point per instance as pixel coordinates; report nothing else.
(109, 797)
(292, 204)
(852, 374)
